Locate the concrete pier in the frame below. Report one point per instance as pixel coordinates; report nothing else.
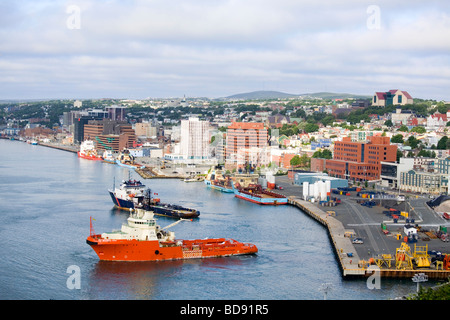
(345, 251)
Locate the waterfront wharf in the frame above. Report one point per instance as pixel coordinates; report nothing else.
(73, 149)
(153, 173)
(378, 251)
(344, 249)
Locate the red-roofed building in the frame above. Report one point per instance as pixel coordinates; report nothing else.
(391, 97)
(437, 120)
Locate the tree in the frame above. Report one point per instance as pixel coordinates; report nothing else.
(403, 128)
(305, 161)
(443, 143)
(399, 155)
(412, 142)
(295, 161)
(439, 293)
(326, 154)
(419, 129)
(311, 127)
(388, 123)
(398, 138)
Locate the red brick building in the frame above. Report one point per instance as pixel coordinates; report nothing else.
(246, 142)
(361, 161)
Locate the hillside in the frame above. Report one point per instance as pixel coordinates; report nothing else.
(255, 95)
(261, 95)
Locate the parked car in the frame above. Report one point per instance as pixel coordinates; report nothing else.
(358, 241)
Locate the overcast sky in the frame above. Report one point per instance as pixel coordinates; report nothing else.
(215, 48)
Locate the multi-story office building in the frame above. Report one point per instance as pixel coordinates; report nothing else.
(361, 161)
(246, 143)
(194, 142)
(145, 129)
(116, 112)
(110, 135)
(423, 182)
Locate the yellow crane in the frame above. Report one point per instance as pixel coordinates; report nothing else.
(403, 257)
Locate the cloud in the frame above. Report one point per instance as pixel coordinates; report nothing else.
(215, 48)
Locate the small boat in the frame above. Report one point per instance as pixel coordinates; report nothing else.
(191, 179)
(141, 239)
(256, 194)
(88, 151)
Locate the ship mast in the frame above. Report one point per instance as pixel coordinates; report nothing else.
(91, 229)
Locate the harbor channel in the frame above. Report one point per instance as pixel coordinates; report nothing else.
(378, 248)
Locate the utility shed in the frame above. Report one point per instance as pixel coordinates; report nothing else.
(409, 230)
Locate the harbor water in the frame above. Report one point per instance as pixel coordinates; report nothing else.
(48, 196)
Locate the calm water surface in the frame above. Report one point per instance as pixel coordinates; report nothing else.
(48, 195)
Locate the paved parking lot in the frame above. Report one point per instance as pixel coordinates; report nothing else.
(366, 222)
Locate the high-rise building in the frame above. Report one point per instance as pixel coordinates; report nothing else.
(194, 142)
(246, 144)
(116, 112)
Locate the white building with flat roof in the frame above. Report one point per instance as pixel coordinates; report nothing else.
(194, 140)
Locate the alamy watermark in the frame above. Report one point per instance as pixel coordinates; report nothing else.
(373, 21)
(374, 281)
(74, 280)
(73, 21)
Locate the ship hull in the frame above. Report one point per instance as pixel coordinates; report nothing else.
(164, 210)
(129, 166)
(255, 198)
(220, 188)
(121, 203)
(134, 250)
(84, 156)
(170, 211)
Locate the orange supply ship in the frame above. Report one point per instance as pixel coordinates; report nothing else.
(88, 151)
(141, 239)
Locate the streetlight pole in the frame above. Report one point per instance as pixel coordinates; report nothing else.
(418, 278)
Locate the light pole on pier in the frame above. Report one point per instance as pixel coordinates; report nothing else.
(418, 278)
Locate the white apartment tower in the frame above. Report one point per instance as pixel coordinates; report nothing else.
(194, 143)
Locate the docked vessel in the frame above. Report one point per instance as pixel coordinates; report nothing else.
(127, 160)
(88, 151)
(108, 157)
(132, 194)
(165, 209)
(256, 194)
(216, 179)
(141, 239)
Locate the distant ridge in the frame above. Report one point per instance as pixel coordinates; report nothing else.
(261, 95)
(255, 95)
